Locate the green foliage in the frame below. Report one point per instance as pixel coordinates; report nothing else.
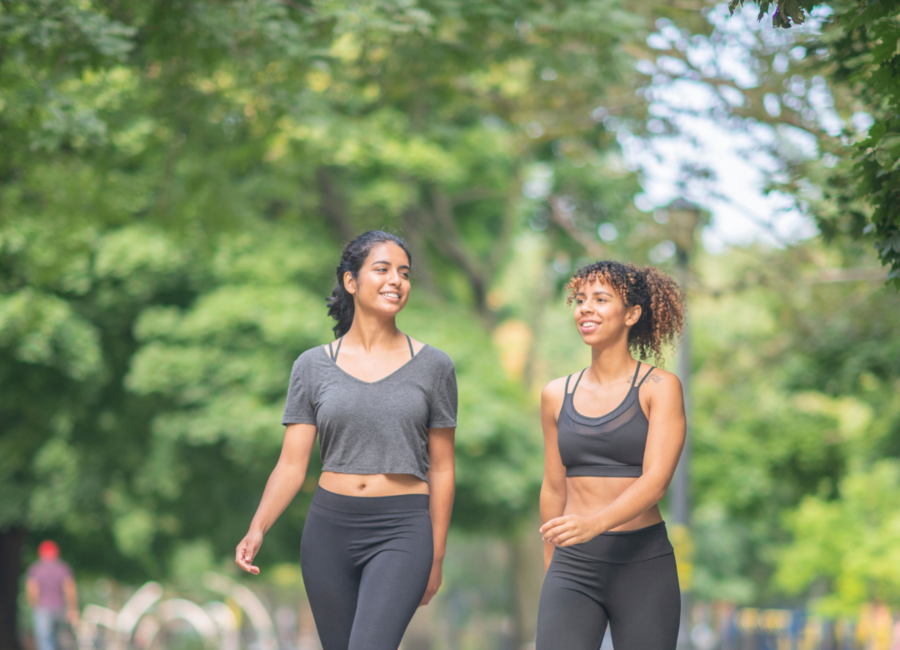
(794, 395)
(866, 46)
(175, 185)
(860, 41)
(853, 543)
(786, 14)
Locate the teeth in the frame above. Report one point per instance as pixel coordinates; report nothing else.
(392, 295)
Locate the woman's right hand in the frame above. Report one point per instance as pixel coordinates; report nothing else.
(247, 550)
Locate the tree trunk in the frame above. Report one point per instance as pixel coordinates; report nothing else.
(333, 205)
(526, 561)
(11, 541)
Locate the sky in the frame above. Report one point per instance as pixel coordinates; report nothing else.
(741, 211)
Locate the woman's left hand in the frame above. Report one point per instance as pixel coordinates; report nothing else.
(434, 583)
(569, 529)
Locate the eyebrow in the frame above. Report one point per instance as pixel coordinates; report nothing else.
(402, 266)
(596, 293)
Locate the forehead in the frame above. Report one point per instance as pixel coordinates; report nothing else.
(387, 252)
(593, 285)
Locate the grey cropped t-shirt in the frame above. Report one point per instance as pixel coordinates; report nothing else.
(378, 427)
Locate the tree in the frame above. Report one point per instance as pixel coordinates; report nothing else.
(794, 390)
(859, 43)
(848, 545)
(175, 184)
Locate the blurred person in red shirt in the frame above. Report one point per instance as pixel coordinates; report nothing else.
(52, 595)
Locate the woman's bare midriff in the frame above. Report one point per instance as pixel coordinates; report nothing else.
(372, 485)
(585, 495)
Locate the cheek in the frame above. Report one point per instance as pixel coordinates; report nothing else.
(365, 286)
(370, 283)
(612, 313)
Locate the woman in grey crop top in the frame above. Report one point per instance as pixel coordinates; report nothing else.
(383, 407)
(613, 435)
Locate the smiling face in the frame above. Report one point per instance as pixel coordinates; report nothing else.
(601, 315)
(382, 284)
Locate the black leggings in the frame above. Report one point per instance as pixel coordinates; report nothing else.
(627, 579)
(366, 563)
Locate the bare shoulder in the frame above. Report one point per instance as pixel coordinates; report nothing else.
(553, 394)
(662, 383)
(417, 344)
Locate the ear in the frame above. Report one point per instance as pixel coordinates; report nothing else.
(350, 283)
(633, 315)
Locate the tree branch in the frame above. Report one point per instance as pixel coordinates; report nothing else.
(449, 243)
(333, 205)
(562, 217)
(412, 233)
(501, 246)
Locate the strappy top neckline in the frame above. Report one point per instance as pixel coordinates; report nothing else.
(569, 400)
(333, 354)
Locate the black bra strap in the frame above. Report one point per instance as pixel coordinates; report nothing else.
(652, 368)
(575, 387)
(636, 370)
(334, 353)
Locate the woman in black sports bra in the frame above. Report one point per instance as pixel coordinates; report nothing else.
(613, 435)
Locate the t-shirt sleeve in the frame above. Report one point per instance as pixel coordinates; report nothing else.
(299, 409)
(444, 398)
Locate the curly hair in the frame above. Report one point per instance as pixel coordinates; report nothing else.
(661, 299)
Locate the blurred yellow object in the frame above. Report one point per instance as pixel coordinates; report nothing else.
(513, 340)
(680, 536)
(236, 610)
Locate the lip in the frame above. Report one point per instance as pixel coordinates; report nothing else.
(392, 298)
(587, 327)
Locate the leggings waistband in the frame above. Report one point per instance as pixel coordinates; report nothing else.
(369, 505)
(652, 528)
(624, 546)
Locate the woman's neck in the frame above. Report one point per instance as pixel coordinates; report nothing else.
(372, 333)
(610, 364)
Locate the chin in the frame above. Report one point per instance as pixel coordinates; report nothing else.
(593, 339)
(392, 310)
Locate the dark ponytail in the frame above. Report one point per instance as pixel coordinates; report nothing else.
(340, 304)
(660, 297)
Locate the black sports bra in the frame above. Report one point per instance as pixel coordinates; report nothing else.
(611, 445)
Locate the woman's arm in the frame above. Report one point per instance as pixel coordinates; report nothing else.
(553, 489)
(665, 439)
(441, 487)
(283, 484)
